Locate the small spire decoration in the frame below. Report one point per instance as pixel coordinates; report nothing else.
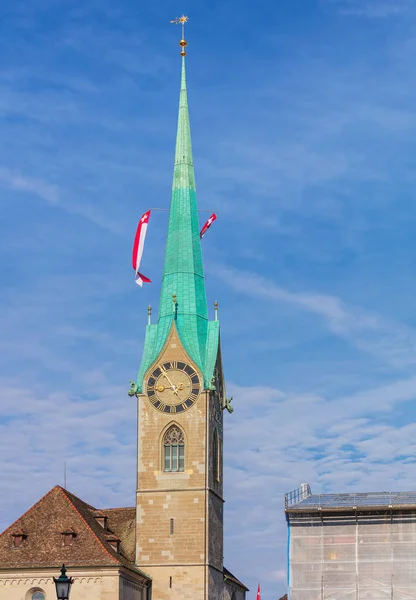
(181, 21)
(149, 314)
(216, 310)
(175, 306)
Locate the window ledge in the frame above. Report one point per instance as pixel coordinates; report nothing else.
(177, 475)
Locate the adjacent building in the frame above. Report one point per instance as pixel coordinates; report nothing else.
(97, 546)
(169, 546)
(351, 546)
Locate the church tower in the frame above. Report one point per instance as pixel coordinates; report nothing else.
(180, 391)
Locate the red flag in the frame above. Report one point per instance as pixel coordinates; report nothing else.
(138, 247)
(258, 597)
(207, 225)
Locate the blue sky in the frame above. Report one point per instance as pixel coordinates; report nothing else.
(303, 122)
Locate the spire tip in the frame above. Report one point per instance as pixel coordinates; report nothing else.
(181, 21)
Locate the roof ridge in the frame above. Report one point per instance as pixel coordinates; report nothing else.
(29, 509)
(65, 494)
(117, 508)
(68, 493)
(228, 575)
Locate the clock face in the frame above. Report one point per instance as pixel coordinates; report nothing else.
(173, 387)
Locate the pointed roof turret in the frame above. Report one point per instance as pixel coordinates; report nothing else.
(183, 298)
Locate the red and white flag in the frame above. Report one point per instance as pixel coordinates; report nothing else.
(258, 597)
(138, 247)
(207, 225)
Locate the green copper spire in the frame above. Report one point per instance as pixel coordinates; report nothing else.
(183, 274)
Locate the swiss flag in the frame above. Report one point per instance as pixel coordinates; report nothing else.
(207, 225)
(138, 247)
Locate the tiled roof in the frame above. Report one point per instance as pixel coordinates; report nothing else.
(122, 521)
(231, 577)
(60, 511)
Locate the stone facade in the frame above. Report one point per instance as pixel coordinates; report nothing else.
(233, 591)
(179, 537)
(89, 584)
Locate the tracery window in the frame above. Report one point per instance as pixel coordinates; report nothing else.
(174, 450)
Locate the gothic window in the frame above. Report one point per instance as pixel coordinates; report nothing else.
(216, 456)
(219, 458)
(38, 596)
(173, 450)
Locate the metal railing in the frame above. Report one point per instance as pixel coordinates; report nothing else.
(295, 496)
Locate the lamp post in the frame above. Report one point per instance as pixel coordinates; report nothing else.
(63, 585)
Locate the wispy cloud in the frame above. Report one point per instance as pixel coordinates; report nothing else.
(344, 444)
(377, 9)
(94, 419)
(305, 146)
(370, 332)
(22, 183)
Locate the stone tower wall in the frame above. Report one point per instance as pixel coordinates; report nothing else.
(179, 519)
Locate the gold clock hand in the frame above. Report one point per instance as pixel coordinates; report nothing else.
(170, 383)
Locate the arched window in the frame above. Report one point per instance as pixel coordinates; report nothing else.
(38, 596)
(216, 456)
(173, 450)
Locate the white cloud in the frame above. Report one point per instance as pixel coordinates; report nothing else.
(276, 440)
(49, 428)
(21, 183)
(303, 152)
(369, 332)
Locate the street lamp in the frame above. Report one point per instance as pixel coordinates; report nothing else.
(63, 585)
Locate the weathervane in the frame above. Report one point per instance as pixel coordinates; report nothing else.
(181, 21)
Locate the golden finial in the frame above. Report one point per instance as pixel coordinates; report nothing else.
(181, 21)
(149, 313)
(216, 310)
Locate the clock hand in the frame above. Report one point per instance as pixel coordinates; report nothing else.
(170, 383)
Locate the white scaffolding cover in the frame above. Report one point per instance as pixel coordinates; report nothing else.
(355, 556)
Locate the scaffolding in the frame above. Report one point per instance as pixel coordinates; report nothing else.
(360, 550)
